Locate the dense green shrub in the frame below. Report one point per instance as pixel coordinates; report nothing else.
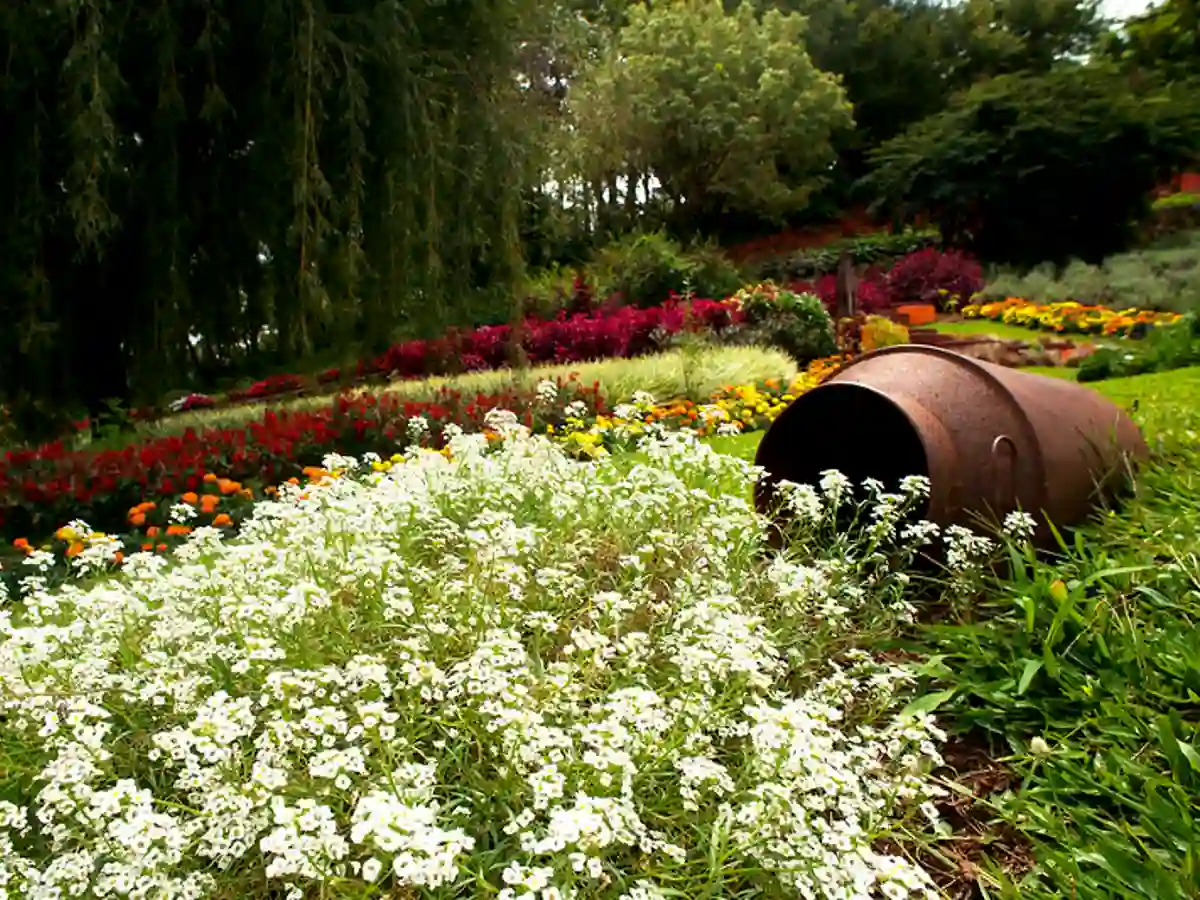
(1025, 168)
(798, 324)
(558, 289)
(644, 269)
(1165, 277)
(714, 275)
(869, 250)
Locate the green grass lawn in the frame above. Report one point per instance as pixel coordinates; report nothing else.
(1071, 690)
(982, 327)
(977, 327)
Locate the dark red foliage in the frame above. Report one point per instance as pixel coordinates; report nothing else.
(873, 295)
(926, 276)
(621, 332)
(934, 276)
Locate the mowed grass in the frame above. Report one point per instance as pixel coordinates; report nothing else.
(1071, 689)
(978, 328)
(694, 374)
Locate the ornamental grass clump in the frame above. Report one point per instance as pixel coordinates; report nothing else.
(480, 672)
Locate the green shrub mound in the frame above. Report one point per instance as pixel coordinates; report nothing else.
(796, 323)
(645, 269)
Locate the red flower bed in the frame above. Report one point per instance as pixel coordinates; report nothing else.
(620, 332)
(44, 488)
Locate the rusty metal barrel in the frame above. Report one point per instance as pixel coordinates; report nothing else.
(991, 440)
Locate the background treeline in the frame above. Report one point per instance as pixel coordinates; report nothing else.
(197, 190)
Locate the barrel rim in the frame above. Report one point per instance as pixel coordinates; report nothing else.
(983, 370)
(883, 395)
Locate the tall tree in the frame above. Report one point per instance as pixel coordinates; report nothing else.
(1166, 39)
(194, 183)
(1031, 168)
(726, 110)
(902, 60)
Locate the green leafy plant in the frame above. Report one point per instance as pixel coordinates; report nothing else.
(1077, 676)
(558, 289)
(1178, 201)
(1043, 143)
(646, 269)
(879, 332)
(1162, 349)
(796, 323)
(869, 250)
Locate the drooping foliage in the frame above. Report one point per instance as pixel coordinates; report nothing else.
(194, 187)
(1025, 168)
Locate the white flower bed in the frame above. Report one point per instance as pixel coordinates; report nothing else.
(507, 675)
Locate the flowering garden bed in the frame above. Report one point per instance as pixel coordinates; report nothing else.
(45, 488)
(500, 674)
(924, 276)
(1070, 318)
(488, 669)
(616, 333)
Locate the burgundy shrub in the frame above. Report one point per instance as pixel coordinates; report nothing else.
(934, 276)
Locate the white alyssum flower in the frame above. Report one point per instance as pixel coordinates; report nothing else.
(566, 680)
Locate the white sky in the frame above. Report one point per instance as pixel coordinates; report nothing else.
(1119, 9)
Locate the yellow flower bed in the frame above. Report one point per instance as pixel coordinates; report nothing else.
(1070, 317)
(735, 409)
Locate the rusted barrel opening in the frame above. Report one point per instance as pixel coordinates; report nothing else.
(849, 427)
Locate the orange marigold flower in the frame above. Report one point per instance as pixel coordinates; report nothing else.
(23, 545)
(293, 480)
(246, 494)
(178, 530)
(209, 478)
(161, 548)
(137, 519)
(118, 557)
(225, 486)
(153, 531)
(190, 497)
(209, 502)
(147, 546)
(75, 549)
(222, 521)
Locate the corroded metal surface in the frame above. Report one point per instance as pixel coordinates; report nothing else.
(990, 439)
